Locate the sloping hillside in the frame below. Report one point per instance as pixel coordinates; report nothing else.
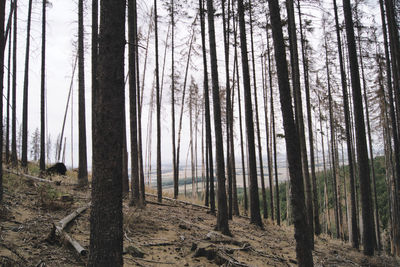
(172, 233)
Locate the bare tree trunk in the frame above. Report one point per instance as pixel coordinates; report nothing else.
(95, 54)
(226, 24)
(7, 146)
(183, 100)
(317, 226)
(332, 148)
(24, 156)
(222, 216)
(245, 197)
(299, 116)
(2, 48)
(396, 225)
(191, 139)
(82, 171)
(106, 235)
(255, 217)
(207, 109)
(362, 153)
(353, 235)
(158, 105)
(134, 199)
(277, 204)
(375, 199)
(176, 175)
(303, 249)
(268, 144)
(14, 159)
(139, 117)
(42, 91)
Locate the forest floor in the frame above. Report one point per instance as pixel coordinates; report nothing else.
(169, 234)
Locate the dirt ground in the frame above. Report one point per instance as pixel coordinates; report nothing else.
(168, 234)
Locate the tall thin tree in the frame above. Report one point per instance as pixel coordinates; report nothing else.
(132, 104)
(14, 160)
(95, 53)
(303, 249)
(361, 144)
(42, 159)
(106, 234)
(222, 216)
(255, 217)
(317, 227)
(294, 59)
(207, 109)
(2, 48)
(176, 181)
(82, 170)
(158, 106)
(24, 156)
(354, 227)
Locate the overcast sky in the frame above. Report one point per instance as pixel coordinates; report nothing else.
(60, 55)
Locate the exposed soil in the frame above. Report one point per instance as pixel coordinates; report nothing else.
(169, 234)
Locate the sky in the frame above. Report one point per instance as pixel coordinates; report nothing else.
(60, 55)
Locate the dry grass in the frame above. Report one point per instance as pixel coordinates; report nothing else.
(49, 198)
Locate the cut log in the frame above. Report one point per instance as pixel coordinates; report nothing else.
(78, 248)
(65, 221)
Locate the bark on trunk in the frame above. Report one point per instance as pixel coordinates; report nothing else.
(362, 153)
(24, 156)
(222, 216)
(106, 235)
(303, 250)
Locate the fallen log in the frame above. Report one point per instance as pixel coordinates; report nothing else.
(180, 201)
(29, 176)
(65, 221)
(58, 231)
(64, 236)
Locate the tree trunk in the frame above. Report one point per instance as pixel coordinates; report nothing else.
(362, 153)
(24, 156)
(42, 91)
(255, 217)
(298, 107)
(106, 235)
(225, 26)
(353, 235)
(158, 107)
(396, 145)
(14, 159)
(192, 139)
(395, 56)
(95, 54)
(332, 147)
(176, 180)
(82, 171)
(268, 148)
(134, 200)
(222, 216)
(366, 102)
(207, 109)
(7, 146)
(139, 114)
(245, 197)
(2, 48)
(278, 207)
(317, 226)
(326, 199)
(303, 249)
